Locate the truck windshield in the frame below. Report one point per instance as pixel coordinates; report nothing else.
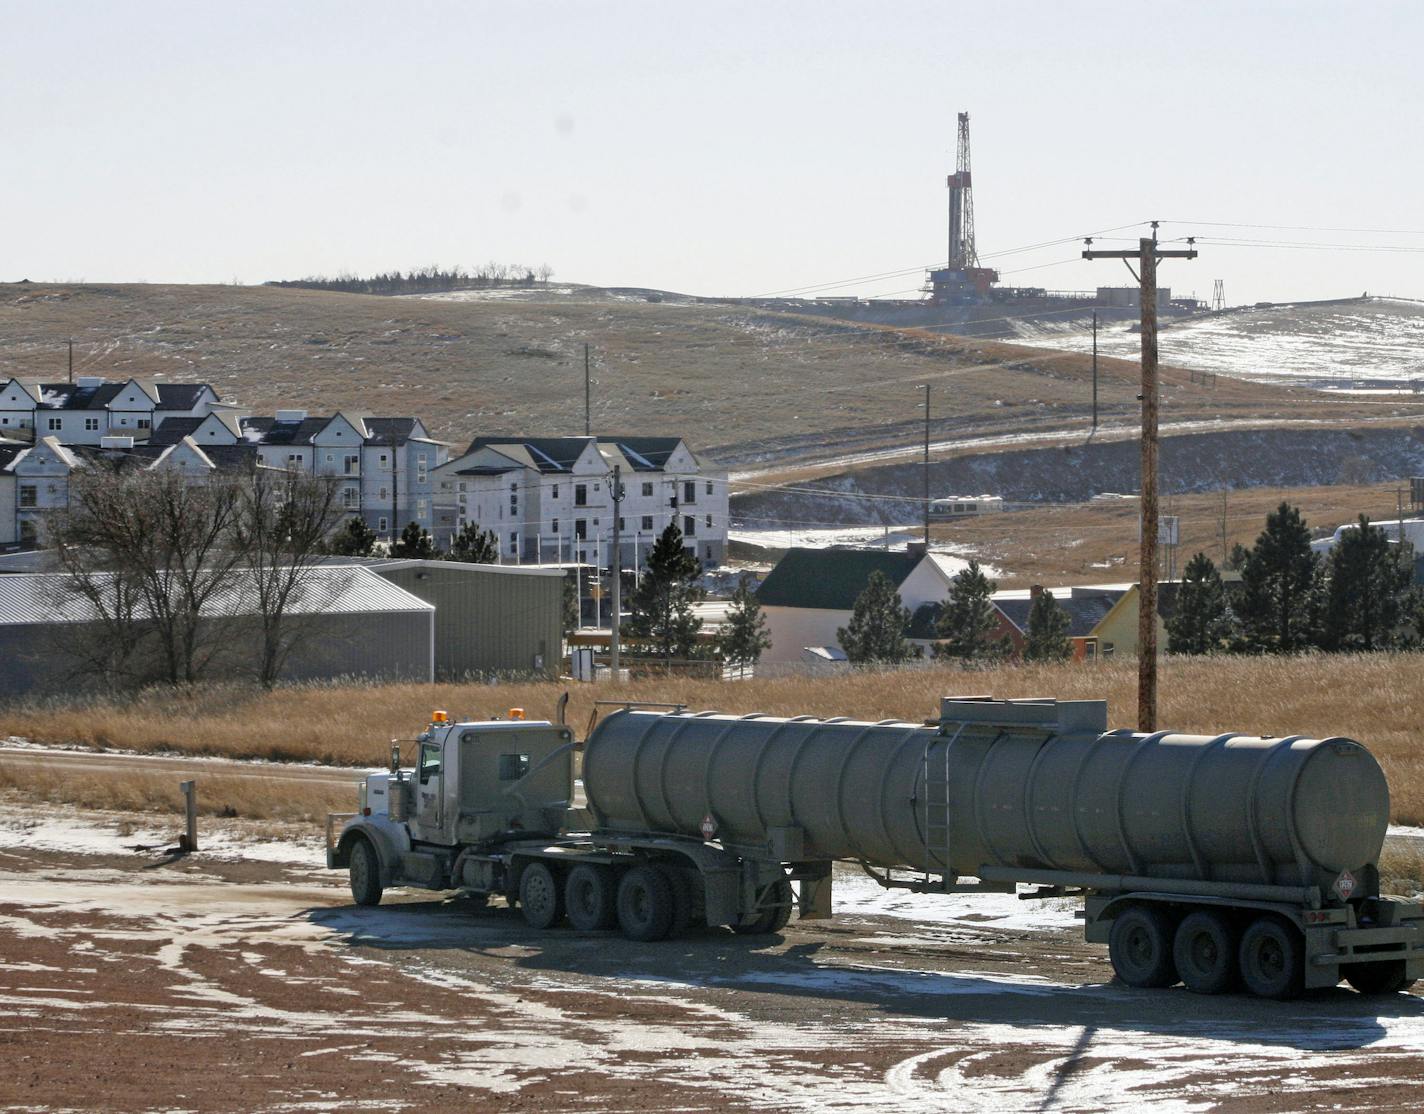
(429, 762)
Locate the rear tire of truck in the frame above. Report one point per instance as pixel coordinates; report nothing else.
(1204, 951)
(1140, 947)
(681, 900)
(645, 904)
(1385, 977)
(366, 888)
(1272, 957)
(541, 898)
(774, 919)
(591, 898)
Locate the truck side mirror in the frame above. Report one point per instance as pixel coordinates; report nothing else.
(395, 757)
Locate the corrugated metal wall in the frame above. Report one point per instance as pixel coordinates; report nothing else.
(489, 621)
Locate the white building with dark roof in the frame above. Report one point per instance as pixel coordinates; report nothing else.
(549, 499)
(92, 407)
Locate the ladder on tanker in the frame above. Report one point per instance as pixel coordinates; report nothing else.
(934, 785)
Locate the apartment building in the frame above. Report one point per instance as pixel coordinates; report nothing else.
(549, 499)
(385, 465)
(91, 408)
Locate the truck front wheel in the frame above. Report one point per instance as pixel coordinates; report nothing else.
(645, 904)
(540, 896)
(366, 886)
(1272, 959)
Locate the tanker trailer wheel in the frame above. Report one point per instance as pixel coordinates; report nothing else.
(774, 919)
(682, 903)
(1140, 947)
(645, 904)
(591, 897)
(1384, 977)
(366, 886)
(541, 898)
(1272, 956)
(1205, 952)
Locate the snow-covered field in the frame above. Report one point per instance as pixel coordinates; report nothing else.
(1368, 345)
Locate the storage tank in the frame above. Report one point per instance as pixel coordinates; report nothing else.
(1031, 785)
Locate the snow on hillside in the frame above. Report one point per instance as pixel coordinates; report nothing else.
(1365, 344)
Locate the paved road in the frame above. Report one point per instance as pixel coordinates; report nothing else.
(106, 762)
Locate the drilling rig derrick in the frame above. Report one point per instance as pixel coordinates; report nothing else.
(963, 280)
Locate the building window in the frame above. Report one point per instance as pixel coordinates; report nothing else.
(350, 498)
(144, 423)
(351, 464)
(555, 493)
(384, 494)
(29, 495)
(383, 524)
(709, 522)
(580, 495)
(421, 475)
(709, 487)
(56, 423)
(709, 553)
(554, 526)
(420, 508)
(384, 460)
(514, 545)
(647, 522)
(580, 528)
(91, 424)
(689, 491)
(331, 458)
(647, 491)
(620, 524)
(514, 502)
(462, 485)
(294, 459)
(689, 525)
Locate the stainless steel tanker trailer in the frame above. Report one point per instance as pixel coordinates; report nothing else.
(1218, 861)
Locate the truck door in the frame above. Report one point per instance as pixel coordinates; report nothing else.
(430, 792)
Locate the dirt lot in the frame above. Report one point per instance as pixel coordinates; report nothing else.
(232, 981)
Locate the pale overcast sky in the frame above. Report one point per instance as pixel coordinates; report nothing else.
(714, 148)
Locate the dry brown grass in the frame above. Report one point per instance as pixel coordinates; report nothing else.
(1378, 699)
(1097, 543)
(157, 791)
(740, 383)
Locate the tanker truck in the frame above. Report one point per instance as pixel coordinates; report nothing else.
(1221, 862)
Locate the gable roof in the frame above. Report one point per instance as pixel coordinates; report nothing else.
(180, 396)
(174, 430)
(547, 454)
(645, 454)
(831, 579)
(1086, 607)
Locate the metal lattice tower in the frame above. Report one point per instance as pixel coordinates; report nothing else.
(962, 253)
(1218, 295)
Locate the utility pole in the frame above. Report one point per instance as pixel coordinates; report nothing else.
(1399, 515)
(1147, 254)
(927, 467)
(1095, 371)
(587, 397)
(617, 562)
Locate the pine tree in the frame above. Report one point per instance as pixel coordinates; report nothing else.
(1047, 637)
(968, 621)
(876, 632)
(355, 539)
(1201, 621)
(1277, 579)
(414, 542)
(473, 545)
(662, 619)
(744, 635)
(1367, 591)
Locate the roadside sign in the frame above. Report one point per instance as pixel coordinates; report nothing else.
(1345, 885)
(709, 827)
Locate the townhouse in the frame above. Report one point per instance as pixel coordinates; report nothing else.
(91, 408)
(550, 499)
(385, 465)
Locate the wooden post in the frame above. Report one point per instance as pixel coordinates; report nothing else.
(1147, 254)
(1147, 573)
(189, 841)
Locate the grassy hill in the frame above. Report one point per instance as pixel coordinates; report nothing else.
(748, 386)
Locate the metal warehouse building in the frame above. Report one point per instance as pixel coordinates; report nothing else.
(349, 623)
(489, 619)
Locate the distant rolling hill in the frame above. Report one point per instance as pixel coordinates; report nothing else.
(752, 388)
(1356, 344)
